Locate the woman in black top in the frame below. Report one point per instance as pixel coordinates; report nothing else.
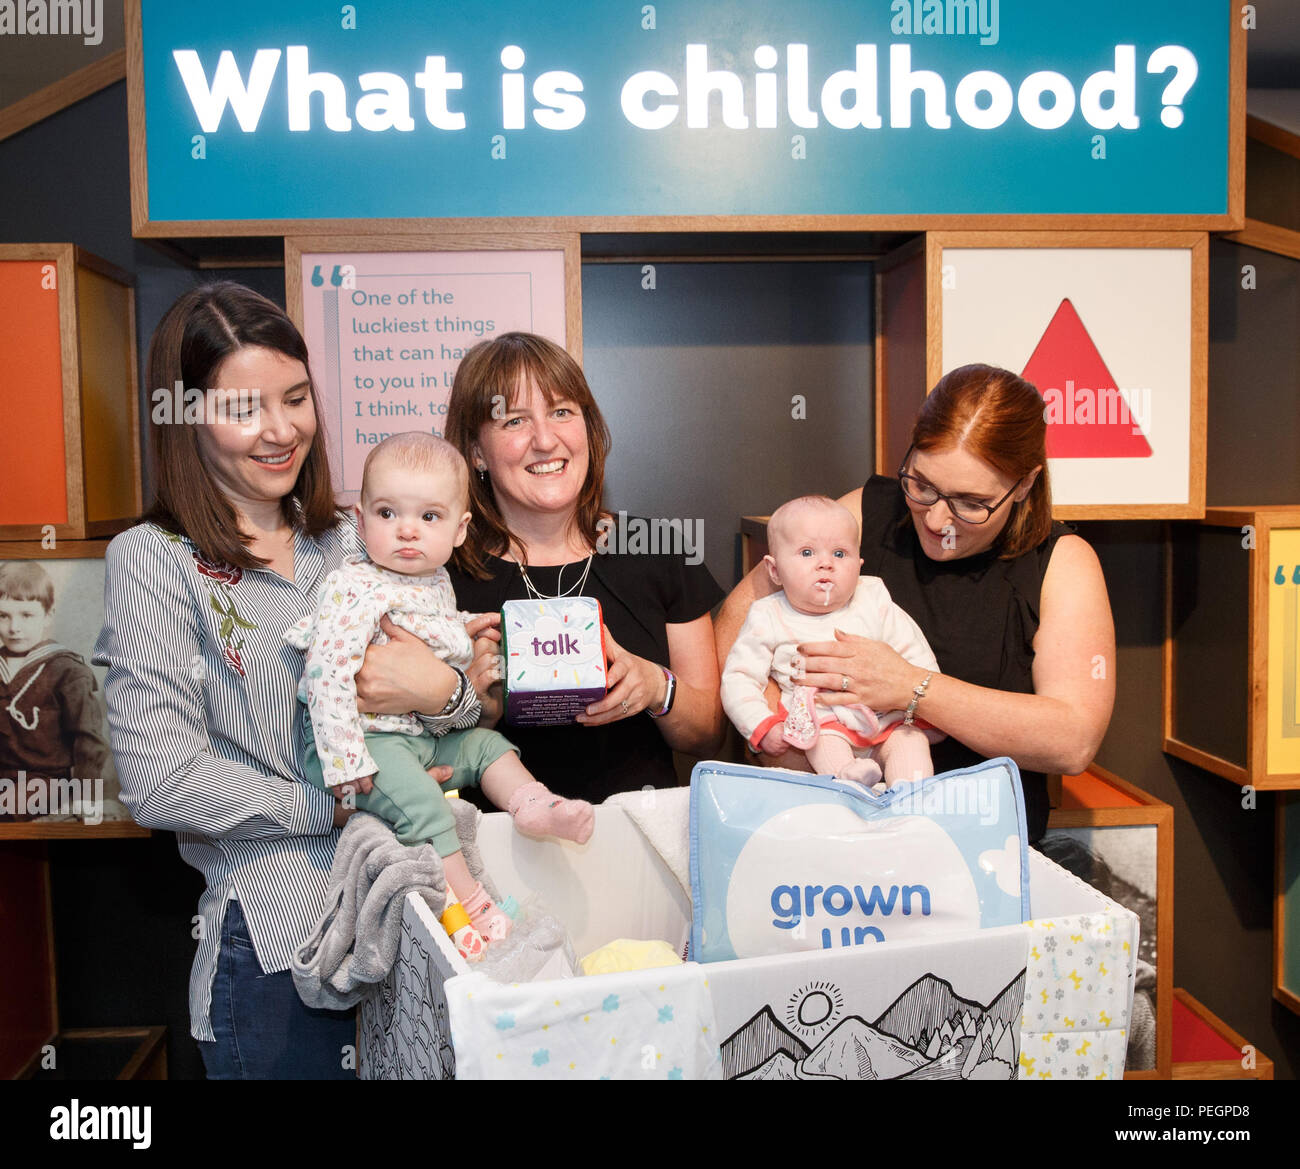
(1013, 605)
(524, 418)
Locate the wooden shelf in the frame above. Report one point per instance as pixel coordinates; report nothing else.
(70, 407)
(36, 830)
(103, 1053)
(1230, 664)
(1206, 1048)
(1099, 800)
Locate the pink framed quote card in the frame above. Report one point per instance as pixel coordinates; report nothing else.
(386, 325)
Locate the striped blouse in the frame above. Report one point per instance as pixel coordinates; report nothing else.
(207, 731)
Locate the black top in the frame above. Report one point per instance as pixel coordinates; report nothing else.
(639, 596)
(978, 613)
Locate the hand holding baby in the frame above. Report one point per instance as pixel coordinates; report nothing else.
(879, 676)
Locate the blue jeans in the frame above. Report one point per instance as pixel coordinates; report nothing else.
(263, 1030)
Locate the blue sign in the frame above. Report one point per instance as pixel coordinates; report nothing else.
(301, 109)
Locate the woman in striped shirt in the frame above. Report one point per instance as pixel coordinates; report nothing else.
(201, 686)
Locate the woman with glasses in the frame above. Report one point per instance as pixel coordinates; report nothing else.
(1013, 605)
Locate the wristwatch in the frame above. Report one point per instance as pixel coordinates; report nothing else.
(668, 698)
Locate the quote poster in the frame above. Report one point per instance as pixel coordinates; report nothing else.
(386, 331)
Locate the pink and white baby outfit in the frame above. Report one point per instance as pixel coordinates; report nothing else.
(768, 647)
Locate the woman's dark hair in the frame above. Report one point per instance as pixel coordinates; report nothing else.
(199, 332)
(498, 371)
(999, 418)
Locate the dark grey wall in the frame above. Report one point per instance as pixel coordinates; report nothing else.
(697, 377)
(1253, 423)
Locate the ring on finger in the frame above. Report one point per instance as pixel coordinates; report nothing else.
(844, 681)
(625, 706)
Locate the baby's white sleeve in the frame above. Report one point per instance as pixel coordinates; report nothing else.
(745, 675)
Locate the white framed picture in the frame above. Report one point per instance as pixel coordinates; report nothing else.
(1110, 327)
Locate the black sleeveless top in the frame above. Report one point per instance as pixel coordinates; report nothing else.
(979, 614)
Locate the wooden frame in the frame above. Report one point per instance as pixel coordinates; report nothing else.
(70, 261)
(1136, 808)
(1254, 771)
(62, 550)
(1281, 241)
(1219, 1069)
(147, 1062)
(1288, 996)
(142, 226)
(65, 830)
(38, 857)
(296, 246)
(1272, 135)
(1194, 242)
(61, 94)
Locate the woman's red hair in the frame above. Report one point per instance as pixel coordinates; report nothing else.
(999, 418)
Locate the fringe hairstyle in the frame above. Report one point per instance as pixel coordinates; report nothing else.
(501, 369)
(26, 580)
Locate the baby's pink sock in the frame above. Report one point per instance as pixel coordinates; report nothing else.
(486, 916)
(865, 771)
(467, 940)
(540, 812)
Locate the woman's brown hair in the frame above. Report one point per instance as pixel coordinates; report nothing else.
(999, 418)
(492, 375)
(197, 334)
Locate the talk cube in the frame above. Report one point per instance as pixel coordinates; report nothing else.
(554, 659)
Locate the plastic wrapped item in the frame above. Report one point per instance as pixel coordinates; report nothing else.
(784, 862)
(538, 947)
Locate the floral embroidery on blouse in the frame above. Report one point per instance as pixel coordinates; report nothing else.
(220, 579)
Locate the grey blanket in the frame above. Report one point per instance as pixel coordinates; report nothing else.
(354, 944)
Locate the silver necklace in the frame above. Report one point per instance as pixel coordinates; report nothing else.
(573, 589)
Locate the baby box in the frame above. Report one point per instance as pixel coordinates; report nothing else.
(1048, 998)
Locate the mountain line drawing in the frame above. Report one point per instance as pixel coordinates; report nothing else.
(928, 1032)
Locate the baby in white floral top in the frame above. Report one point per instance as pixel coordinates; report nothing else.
(412, 515)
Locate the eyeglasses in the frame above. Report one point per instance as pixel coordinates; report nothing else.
(966, 510)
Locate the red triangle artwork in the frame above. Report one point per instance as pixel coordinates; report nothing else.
(1086, 417)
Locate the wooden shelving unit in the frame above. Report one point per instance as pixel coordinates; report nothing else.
(1206, 1048)
(1231, 666)
(1099, 800)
